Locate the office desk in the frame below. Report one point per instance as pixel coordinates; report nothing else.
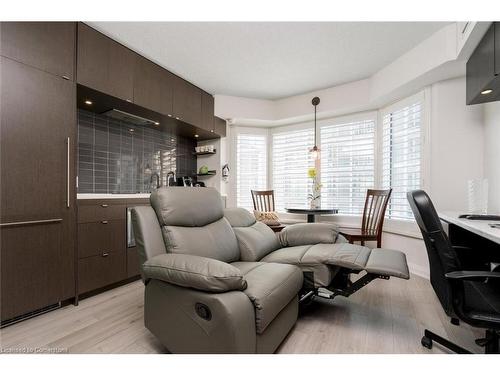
(475, 234)
(478, 227)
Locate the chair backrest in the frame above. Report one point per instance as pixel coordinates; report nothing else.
(442, 256)
(192, 222)
(374, 211)
(255, 239)
(263, 200)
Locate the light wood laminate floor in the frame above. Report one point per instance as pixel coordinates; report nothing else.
(384, 317)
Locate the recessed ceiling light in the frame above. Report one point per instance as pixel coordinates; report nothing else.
(131, 130)
(169, 115)
(172, 139)
(486, 92)
(177, 118)
(88, 102)
(196, 135)
(211, 130)
(157, 123)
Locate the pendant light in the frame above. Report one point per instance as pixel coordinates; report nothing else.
(315, 150)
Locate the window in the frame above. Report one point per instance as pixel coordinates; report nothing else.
(401, 155)
(251, 167)
(291, 161)
(347, 165)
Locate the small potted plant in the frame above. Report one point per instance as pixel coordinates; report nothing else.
(315, 197)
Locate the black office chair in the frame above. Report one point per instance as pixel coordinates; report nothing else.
(470, 296)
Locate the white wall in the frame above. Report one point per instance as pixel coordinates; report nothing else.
(457, 144)
(492, 154)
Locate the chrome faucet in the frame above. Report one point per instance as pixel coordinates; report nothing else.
(158, 183)
(171, 177)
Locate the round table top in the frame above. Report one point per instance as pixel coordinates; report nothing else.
(312, 211)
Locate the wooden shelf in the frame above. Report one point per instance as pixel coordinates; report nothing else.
(205, 153)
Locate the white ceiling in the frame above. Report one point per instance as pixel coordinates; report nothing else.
(270, 60)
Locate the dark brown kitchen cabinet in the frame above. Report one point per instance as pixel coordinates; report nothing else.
(482, 79)
(37, 185)
(48, 46)
(101, 237)
(187, 102)
(220, 126)
(101, 270)
(104, 65)
(207, 112)
(153, 86)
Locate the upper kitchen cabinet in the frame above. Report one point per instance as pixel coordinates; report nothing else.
(483, 82)
(220, 126)
(153, 86)
(187, 102)
(48, 46)
(207, 112)
(104, 65)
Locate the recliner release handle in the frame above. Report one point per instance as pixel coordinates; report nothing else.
(203, 311)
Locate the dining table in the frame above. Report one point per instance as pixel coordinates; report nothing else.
(312, 212)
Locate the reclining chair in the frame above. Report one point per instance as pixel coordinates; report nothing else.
(217, 281)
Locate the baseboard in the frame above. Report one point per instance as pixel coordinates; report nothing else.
(419, 270)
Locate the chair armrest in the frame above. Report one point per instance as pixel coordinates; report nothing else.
(308, 234)
(472, 275)
(191, 271)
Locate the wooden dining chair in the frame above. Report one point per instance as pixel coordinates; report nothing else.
(263, 200)
(373, 218)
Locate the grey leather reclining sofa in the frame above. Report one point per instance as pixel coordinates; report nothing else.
(217, 281)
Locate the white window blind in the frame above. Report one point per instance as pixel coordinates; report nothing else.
(251, 160)
(291, 161)
(347, 165)
(401, 156)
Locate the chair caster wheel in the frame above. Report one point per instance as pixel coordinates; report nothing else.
(426, 342)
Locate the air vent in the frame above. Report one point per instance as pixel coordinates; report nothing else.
(128, 117)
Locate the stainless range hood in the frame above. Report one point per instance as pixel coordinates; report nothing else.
(129, 117)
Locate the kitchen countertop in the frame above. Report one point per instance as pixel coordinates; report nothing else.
(116, 196)
(113, 196)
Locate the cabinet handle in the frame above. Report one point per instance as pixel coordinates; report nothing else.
(104, 205)
(66, 78)
(33, 222)
(68, 170)
(105, 255)
(104, 221)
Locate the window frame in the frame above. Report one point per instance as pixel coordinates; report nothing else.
(397, 226)
(234, 131)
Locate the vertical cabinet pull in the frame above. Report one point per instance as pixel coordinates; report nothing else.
(68, 171)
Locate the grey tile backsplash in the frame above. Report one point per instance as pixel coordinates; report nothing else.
(117, 157)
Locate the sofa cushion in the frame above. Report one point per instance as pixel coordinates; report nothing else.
(195, 272)
(256, 241)
(270, 287)
(308, 234)
(215, 240)
(342, 255)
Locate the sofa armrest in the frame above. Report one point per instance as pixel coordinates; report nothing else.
(191, 271)
(308, 234)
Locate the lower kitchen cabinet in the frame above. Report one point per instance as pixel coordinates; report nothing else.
(103, 256)
(101, 270)
(37, 269)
